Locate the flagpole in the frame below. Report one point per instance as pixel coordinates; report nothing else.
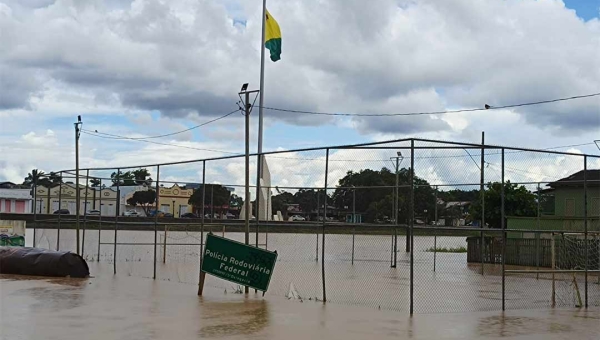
(262, 82)
(259, 170)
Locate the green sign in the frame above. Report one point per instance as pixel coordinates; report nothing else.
(236, 262)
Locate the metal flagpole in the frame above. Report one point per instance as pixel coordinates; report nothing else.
(259, 170)
(262, 83)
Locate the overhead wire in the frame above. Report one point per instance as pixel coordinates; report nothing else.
(486, 108)
(169, 134)
(112, 136)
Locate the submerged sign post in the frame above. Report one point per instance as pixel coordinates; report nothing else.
(236, 262)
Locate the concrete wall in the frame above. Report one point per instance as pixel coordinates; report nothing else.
(12, 227)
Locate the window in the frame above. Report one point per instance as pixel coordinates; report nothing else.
(547, 205)
(570, 207)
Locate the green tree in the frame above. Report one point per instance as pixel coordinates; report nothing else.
(374, 194)
(219, 194)
(124, 179)
(36, 176)
(54, 179)
(309, 199)
(280, 201)
(518, 201)
(95, 182)
(144, 199)
(142, 177)
(457, 195)
(236, 201)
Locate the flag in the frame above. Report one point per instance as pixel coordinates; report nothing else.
(272, 37)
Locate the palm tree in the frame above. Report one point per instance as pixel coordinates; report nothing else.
(35, 177)
(95, 182)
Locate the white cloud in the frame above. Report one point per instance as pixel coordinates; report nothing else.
(119, 64)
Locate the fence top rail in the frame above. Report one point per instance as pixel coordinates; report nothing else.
(337, 147)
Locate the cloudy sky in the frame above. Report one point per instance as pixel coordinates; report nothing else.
(147, 67)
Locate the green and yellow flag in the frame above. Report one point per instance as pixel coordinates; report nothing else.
(272, 37)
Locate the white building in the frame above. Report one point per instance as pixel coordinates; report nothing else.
(16, 201)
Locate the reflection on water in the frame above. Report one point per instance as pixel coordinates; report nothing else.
(510, 326)
(234, 318)
(117, 307)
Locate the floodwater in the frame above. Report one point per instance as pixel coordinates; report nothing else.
(358, 270)
(130, 308)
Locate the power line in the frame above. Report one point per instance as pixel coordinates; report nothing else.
(487, 107)
(168, 134)
(111, 136)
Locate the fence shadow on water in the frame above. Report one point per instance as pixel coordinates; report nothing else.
(413, 225)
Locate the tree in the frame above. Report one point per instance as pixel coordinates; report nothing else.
(142, 177)
(124, 179)
(145, 199)
(457, 195)
(518, 201)
(40, 178)
(280, 201)
(54, 179)
(374, 194)
(95, 182)
(309, 199)
(218, 193)
(236, 201)
(36, 177)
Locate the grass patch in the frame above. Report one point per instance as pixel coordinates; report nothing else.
(447, 250)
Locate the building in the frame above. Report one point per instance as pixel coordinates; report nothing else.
(562, 205)
(15, 199)
(125, 193)
(62, 196)
(174, 200)
(454, 213)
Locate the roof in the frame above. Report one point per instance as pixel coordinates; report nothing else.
(11, 185)
(457, 204)
(577, 179)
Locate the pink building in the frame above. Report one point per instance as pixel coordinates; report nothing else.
(16, 201)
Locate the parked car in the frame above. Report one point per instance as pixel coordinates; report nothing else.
(62, 212)
(166, 215)
(189, 215)
(93, 213)
(297, 218)
(153, 213)
(131, 213)
(329, 218)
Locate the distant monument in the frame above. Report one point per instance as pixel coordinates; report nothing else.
(243, 211)
(264, 196)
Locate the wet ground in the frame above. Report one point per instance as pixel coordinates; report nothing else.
(121, 307)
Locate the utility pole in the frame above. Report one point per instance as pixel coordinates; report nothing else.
(77, 195)
(397, 207)
(247, 110)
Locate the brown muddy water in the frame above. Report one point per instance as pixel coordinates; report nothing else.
(130, 308)
(369, 280)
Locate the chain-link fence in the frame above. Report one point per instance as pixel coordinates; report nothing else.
(417, 225)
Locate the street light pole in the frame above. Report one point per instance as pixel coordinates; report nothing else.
(77, 194)
(247, 110)
(397, 206)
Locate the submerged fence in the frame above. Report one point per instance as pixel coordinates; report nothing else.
(397, 225)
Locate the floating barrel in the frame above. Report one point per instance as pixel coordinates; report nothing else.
(41, 262)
